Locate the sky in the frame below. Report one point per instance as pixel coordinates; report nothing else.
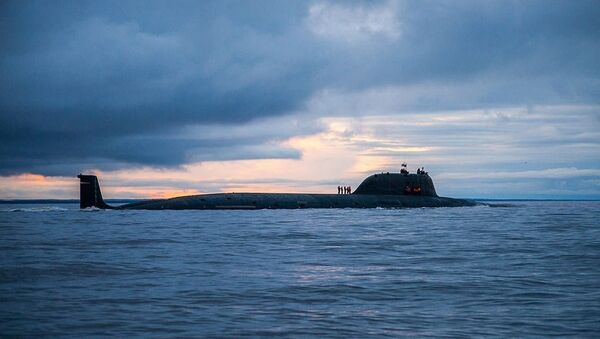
(496, 99)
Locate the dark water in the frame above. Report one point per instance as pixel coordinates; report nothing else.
(529, 269)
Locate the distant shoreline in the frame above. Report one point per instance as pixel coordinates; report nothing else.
(60, 201)
(125, 201)
(549, 199)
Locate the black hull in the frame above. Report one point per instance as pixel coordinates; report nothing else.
(229, 201)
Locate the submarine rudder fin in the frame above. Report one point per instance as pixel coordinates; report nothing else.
(89, 192)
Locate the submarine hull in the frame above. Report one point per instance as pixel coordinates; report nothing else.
(389, 190)
(227, 201)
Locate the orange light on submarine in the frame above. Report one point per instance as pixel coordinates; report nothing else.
(412, 190)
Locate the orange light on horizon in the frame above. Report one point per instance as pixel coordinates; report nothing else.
(148, 192)
(36, 186)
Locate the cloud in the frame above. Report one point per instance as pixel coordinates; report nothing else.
(348, 23)
(505, 153)
(548, 173)
(109, 91)
(259, 139)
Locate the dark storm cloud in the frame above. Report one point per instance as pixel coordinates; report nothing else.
(112, 84)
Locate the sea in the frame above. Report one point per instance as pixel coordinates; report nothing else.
(509, 269)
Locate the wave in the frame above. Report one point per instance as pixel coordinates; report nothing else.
(501, 205)
(91, 209)
(36, 209)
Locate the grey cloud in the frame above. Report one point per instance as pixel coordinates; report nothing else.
(87, 84)
(168, 149)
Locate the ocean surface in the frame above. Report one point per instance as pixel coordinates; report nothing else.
(516, 270)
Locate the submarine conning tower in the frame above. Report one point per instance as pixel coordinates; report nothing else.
(397, 184)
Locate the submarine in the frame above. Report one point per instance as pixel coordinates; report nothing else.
(384, 190)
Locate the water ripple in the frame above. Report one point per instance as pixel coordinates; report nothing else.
(518, 269)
